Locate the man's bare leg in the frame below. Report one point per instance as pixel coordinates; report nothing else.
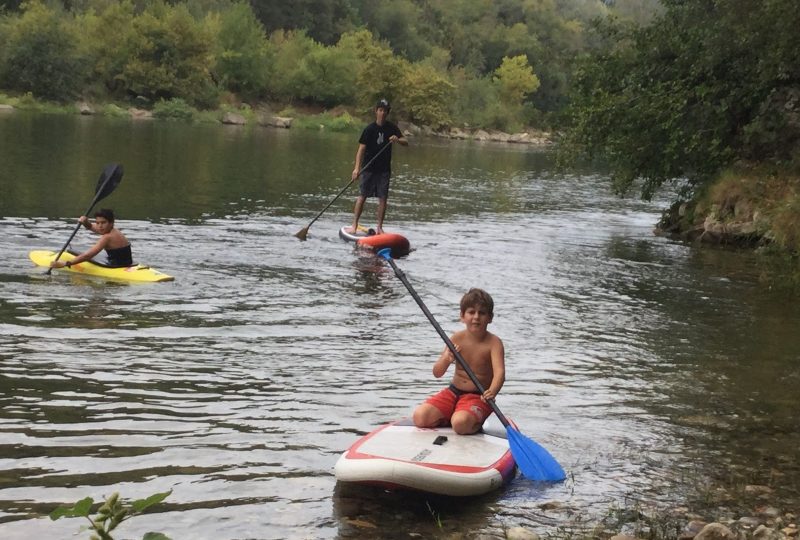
(357, 209)
(381, 215)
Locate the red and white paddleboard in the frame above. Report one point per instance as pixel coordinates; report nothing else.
(400, 455)
(367, 238)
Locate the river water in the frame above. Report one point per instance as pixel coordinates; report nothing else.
(659, 374)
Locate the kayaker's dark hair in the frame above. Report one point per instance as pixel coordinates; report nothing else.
(477, 298)
(106, 213)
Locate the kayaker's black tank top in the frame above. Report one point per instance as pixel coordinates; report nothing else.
(120, 256)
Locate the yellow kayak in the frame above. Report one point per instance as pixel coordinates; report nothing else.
(136, 272)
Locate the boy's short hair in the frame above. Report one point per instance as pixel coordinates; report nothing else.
(106, 213)
(477, 297)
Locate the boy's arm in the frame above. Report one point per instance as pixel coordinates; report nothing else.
(442, 363)
(83, 220)
(85, 256)
(498, 370)
(92, 251)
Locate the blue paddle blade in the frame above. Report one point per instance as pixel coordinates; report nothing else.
(532, 459)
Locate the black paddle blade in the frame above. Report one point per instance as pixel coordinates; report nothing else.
(302, 234)
(108, 181)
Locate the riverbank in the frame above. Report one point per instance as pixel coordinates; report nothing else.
(269, 116)
(636, 524)
(754, 208)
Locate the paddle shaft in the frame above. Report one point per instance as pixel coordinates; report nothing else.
(97, 196)
(463, 363)
(348, 184)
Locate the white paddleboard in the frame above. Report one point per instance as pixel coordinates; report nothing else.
(400, 455)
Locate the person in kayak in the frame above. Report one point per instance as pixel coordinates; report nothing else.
(460, 404)
(118, 249)
(372, 150)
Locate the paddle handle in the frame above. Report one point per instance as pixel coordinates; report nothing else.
(386, 254)
(349, 184)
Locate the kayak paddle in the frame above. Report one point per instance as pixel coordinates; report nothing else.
(532, 459)
(303, 233)
(108, 181)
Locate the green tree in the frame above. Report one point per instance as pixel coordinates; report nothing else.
(516, 80)
(322, 20)
(243, 56)
(689, 94)
(380, 72)
(290, 76)
(477, 102)
(327, 76)
(402, 23)
(170, 56)
(40, 55)
(427, 96)
(103, 41)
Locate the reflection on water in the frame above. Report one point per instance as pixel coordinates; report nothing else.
(653, 371)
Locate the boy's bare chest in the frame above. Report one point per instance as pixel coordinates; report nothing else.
(477, 354)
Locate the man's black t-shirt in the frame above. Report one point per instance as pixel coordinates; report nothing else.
(375, 137)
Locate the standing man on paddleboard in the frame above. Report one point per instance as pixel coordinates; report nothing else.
(374, 150)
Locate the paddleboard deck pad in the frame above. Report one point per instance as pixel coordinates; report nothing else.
(369, 239)
(137, 272)
(401, 456)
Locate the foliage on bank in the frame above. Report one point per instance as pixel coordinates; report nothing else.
(707, 98)
(753, 207)
(499, 64)
(709, 84)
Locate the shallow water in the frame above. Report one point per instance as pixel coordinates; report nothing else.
(654, 371)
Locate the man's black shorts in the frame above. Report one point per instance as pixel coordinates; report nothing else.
(375, 184)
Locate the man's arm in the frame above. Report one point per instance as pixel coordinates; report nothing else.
(359, 157)
(398, 138)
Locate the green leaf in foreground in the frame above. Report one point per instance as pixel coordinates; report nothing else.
(142, 504)
(79, 509)
(155, 536)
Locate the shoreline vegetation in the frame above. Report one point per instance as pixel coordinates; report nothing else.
(264, 115)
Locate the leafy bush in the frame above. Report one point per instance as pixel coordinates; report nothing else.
(110, 514)
(344, 122)
(115, 111)
(326, 121)
(40, 56)
(175, 108)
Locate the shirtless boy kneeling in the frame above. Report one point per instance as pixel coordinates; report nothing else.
(460, 404)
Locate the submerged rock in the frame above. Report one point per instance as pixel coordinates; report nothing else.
(716, 531)
(521, 533)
